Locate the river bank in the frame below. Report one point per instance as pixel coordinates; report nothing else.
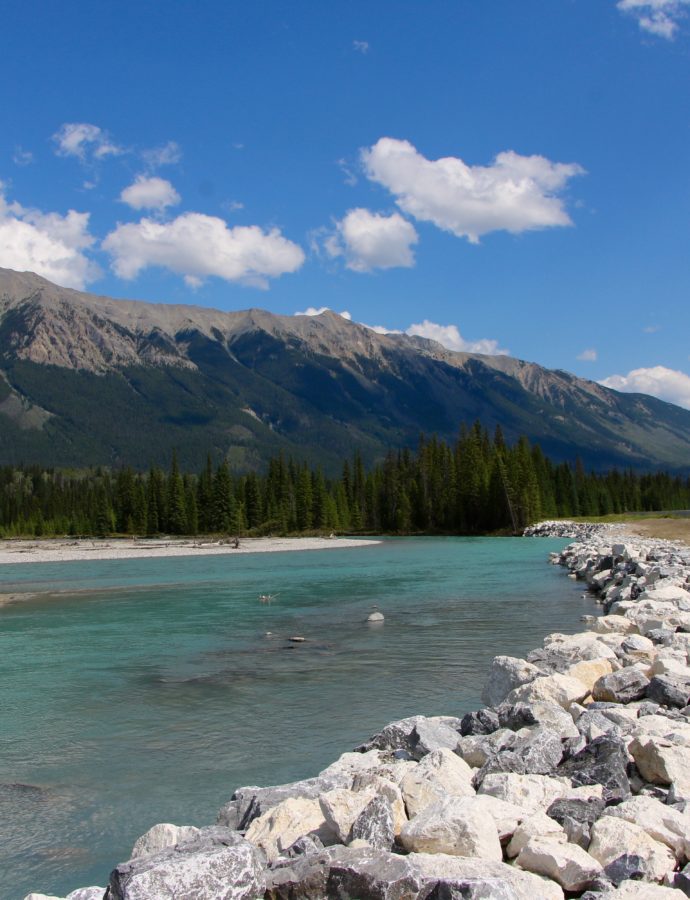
(575, 774)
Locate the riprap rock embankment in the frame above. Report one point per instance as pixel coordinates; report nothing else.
(573, 780)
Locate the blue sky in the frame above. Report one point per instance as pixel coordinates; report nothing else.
(502, 176)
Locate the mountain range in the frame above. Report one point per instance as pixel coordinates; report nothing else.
(89, 380)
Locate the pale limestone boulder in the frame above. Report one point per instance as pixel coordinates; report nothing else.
(662, 822)
(507, 816)
(589, 670)
(663, 762)
(613, 624)
(538, 825)
(642, 890)
(348, 765)
(341, 808)
(280, 827)
(477, 749)
(552, 715)
(672, 729)
(492, 879)
(383, 787)
(584, 645)
(560, 689)
(161, 836)
(440, 774)
(457, 826)
(567, 864)
(532, 793)
(673, 663)
(35, 896)
(506, 674)
(613, 838)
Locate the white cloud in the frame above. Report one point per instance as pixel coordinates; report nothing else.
(515, 193)
(165, 155)
(651, 329)
(150, 193)
(450, 337)
(46, 243)
(348, 171)
(83, 141)
(361, 46)
(370, 240)
(666, 384)
(588, 355)
(22, 157)
(314, 311)
(198, 246)
(658, 17)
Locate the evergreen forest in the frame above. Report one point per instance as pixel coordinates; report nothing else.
(478, 485)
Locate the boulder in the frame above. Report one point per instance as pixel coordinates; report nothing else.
(478, 749)
(456, 826)
(506, 674)
(626, 851)
(663, 823)
(248, 803)
(532, 793)
(577, 817)
(640, 890)
(622, 686)
(375, 824)
(416, 734)
(438, 775)
(538, 825)
(382, 787)
(550, 715)
(669, 690)
(602, 762)
(481, 721)
(560, 689)
(663, 762)
(341, 809)
(218, 864)
(432, 734)
(588, 671)
(567, 864)
(506, 816)
(161, 836)
(281, 826)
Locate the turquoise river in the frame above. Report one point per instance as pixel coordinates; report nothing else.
(147, 690)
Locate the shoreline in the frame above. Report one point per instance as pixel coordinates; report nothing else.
(572, 780)
(50, 550)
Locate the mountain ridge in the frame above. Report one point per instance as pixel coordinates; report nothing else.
(251, 383)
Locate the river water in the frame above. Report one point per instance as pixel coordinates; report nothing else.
(149, 689)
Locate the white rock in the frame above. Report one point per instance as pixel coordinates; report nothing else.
(457, 826)
(532, 793)
(538, 825)
(161, 836)
(568, 864)
(642, 890)
(506, 674)
(663, 762)
(369, 782)
(341, 808)
(440, 774)
(280, 827)
(521, 885)
(613, 838)
(507, 816)
(663, 823)
(614, 624)
(560, 689)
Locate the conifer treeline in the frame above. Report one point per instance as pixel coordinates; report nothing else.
(476, 486)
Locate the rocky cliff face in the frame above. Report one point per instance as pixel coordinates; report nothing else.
(89, 379)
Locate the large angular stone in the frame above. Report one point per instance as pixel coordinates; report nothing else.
(663, 762)
(535, 751)
(621, 687)
(281, 826)
(217, 865)
(588, 671)
(438, 775)
(538, 825)
(560, 689)
(621, 846)
(375, 824)
(480, 721)
(663, 823)
(669, 690)
(577, 817)
(567, 864)
(161, 836)
(417, 735)
(383, 787)
(456, 826)
(641, 890)
(341, 808)
(248, 803)
(506, 674)
(532, 793)
(603, 761)
(478, 749)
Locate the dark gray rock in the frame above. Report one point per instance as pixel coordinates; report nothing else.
(587, 811)
(482, 721)
(537, 752)
(669, 690)
(647, 708)
(303, 878)
(304, 846)
(375, 824)
(682, 880)
(663, 636)
(469, 890)
(623, 686)
(516, 716)
(371, 875)
(628, 866)
(218, 864)
(604, 761)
